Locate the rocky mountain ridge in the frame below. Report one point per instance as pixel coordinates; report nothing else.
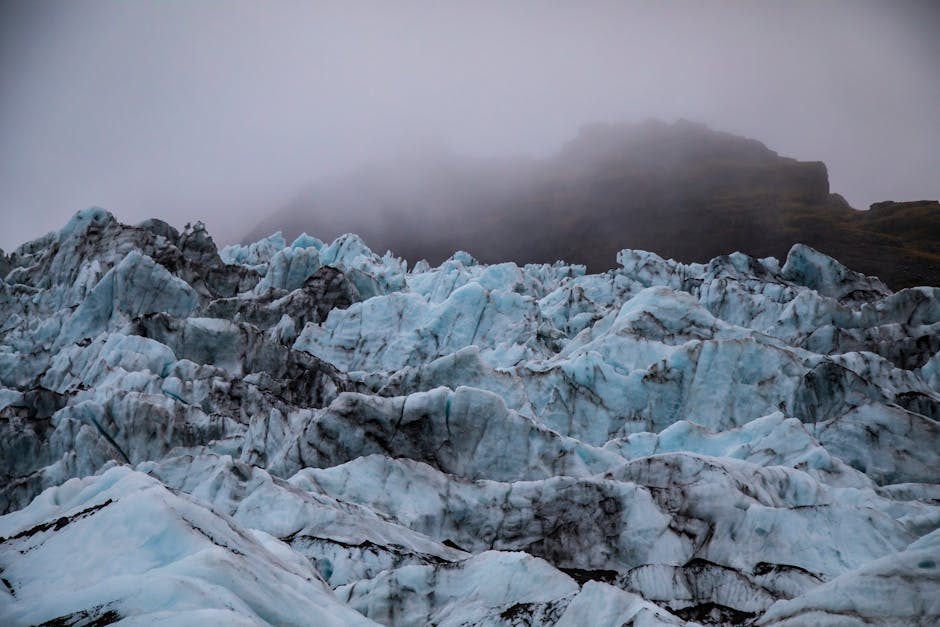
(680, 190)
(309, 433)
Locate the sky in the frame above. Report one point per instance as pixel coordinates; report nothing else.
(224, 110)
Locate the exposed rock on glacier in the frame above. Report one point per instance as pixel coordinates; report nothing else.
(312, 433)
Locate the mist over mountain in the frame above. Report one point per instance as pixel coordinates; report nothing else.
(681, 190)
(614, 369)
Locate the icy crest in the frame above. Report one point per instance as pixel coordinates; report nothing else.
(311, 433)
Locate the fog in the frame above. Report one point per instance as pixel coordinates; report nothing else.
(223, 111)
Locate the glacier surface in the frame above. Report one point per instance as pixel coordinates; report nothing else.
(309, 433)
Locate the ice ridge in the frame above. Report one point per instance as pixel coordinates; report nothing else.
(309, 433)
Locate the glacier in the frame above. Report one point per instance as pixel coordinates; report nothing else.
(309, 433)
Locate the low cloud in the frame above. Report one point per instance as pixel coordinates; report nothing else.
(224, 111)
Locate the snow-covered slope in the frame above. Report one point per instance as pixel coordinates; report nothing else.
(310, 433)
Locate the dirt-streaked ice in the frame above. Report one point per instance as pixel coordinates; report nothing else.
(311, 433)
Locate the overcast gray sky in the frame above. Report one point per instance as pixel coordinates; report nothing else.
(223, 110)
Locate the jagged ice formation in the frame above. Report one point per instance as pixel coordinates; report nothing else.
(312, 434)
